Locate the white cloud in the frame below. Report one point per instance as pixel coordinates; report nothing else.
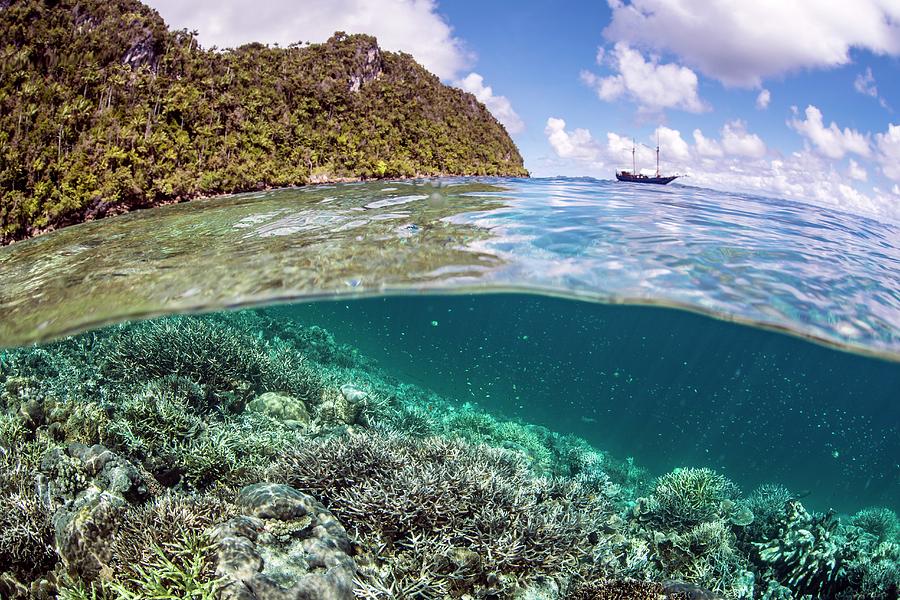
(705, 146)
(653, 86)
(896, 189)
(865, 83)
(578, 144)
(412, 26)
(857, 172)
(499, 106)
(670, 139)
(762, 101)
(806, 176)
(740, 42)
(830, 141)
(888, 146)
(738, 142)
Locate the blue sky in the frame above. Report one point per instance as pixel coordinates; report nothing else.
(830, 69)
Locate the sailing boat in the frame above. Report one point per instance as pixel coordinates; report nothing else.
(636, 177)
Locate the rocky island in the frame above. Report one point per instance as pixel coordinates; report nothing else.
(104, 109)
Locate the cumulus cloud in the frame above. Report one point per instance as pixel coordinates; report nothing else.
(762, 101)
(651, 85)
(412, 26)
(888, 148)
(737, 141)
(857, 172)
(706, 147)
(675, 147)
(577, 144)
(806, 175)
(831, 141)
(499, 106)
(740, 43)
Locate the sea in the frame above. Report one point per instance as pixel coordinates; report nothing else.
(670, 326)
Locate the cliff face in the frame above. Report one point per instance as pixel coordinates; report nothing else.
(104, 109)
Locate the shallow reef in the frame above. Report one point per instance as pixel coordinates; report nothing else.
(244, 456)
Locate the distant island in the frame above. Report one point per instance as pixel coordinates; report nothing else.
(103, 109)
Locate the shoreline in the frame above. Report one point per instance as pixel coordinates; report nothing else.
(101, 211)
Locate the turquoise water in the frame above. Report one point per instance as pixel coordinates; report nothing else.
(669, 388)
(485, 388)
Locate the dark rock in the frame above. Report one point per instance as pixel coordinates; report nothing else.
(287, 546)
(688, 591)
(90, 486)
(32, 412)
(82, 531)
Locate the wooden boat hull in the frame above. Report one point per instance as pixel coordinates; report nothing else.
(644, 179)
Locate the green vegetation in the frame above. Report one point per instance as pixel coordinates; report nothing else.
(103, 109)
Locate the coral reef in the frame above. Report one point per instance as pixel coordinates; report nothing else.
(244, 455)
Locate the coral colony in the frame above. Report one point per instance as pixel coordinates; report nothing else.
(240, 456)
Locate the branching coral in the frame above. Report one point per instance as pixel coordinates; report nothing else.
(880, 522)
(449, 516)
(178, 569)
(768, 503)
(690, 496)
(161, 523)
(26, 534)
(231, 363)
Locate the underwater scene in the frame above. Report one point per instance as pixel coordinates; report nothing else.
(494, 389)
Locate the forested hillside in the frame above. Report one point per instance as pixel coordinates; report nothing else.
(103, 109)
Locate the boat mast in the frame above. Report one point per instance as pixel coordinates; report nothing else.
(657, 152)
(633, 164)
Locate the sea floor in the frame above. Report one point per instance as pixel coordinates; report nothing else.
(249, 455)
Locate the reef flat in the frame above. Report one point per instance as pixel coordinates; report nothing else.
(243, 455)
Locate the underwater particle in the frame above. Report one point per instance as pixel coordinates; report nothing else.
(434, 323)
(835, 454)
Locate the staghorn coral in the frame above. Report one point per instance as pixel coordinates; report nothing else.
(447, 516)
(704, 555)
(630, 589)
(878, 521)
(690, 496)
(231, 363)
(161, 523)
(179, 569)
(767, 503)
(26, 533)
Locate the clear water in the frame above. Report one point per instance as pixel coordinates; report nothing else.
(667, 387)
(671, 326)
